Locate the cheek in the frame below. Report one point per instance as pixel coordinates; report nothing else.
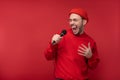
(79, 24)
(69, 23)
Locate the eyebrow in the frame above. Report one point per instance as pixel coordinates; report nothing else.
(73, 19)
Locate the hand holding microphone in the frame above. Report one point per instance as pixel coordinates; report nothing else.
(57, 37)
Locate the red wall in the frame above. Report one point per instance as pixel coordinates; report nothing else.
(26, 27)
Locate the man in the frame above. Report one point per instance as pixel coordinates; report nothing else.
(75, 52)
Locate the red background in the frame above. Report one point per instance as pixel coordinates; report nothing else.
(26, 27)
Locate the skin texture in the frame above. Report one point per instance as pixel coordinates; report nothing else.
(77, 24)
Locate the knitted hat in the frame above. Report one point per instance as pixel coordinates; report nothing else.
(80, 12)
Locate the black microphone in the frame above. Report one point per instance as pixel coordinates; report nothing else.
(63, 32)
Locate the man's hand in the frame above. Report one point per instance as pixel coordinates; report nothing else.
(85, 51)
(56, 39)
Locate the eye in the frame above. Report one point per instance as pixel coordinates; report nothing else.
(69, 20)
(75, 20)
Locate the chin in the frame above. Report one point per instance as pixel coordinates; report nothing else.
(75, 33)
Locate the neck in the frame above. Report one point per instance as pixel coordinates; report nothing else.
(81, 32)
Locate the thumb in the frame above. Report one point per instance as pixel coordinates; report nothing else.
(89, 45)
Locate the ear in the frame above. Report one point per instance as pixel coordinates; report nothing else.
(84, 22)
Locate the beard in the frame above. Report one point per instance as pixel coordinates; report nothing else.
(81, 29)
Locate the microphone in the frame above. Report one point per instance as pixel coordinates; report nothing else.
(63, 32)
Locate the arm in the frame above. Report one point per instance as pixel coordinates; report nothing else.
(90, 53)
(51, 51)
(94, 60)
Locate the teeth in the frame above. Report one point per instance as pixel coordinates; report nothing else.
(73, 26)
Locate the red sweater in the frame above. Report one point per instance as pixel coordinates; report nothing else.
(69, 65)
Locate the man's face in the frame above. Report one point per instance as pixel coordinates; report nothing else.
(76, 23)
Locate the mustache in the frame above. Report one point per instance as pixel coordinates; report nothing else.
(73, 25)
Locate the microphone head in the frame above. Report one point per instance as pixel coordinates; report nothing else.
(63, 32)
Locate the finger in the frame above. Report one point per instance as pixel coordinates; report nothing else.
(81, 48)
(82, 54)
(89, 44)
(84, 46)
(80, 51)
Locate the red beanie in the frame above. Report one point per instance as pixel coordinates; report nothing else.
(80, 12)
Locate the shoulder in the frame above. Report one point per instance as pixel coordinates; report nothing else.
(89, 37)
(91, 40)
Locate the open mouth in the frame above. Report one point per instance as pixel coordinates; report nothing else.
(74, 27)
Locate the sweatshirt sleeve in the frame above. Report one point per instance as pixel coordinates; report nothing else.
(94, 60)
(51, 52)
